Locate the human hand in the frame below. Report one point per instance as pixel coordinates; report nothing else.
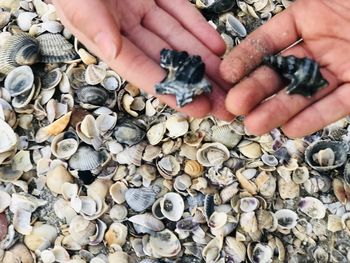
(128, 36)
(324, 27)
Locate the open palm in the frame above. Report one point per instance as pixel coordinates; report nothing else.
(128, 36)
(324, 27)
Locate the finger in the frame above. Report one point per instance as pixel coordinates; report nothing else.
(92, 23)
(279, 109)
(333, 107)
(267, 39)
(195, 23)
(258, 86)
(151, 44)
(179, 38)
(139, 69)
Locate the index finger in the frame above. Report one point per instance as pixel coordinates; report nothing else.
(267, 39)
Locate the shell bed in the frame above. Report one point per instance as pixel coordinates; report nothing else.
(92, 169)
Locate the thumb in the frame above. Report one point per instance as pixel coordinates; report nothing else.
(93, 24)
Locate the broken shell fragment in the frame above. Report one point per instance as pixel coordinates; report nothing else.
(148, 222)
(56, 177)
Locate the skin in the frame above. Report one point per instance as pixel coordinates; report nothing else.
(129, 35)
(258, 92)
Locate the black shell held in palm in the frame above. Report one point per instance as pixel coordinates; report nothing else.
(185, 78)
(304, 74)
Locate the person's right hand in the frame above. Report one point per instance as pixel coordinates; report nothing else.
(129, 34)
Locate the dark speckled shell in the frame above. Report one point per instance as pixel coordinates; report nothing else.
(304, 74)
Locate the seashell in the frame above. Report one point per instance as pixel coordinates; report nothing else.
(139, 199)
(164, 244)
(116, 234)
(20, 80)
(259, 253)
(249, 149)
(56, 177)
(18, 253)
(245, 183)
(7, 174)
(217, 6)
(172, 206)
(209, 206)
(260, 4)
(51, 79)
(217, 220)
(286, 219)
(5, 201)
(269, 160)
(129, 133)
(187, 224)
(86, 57)
(212, 154)
(211, 252)
(234, 26)
(95, 74)
(85, 159)
(156, 133)
(24, 20)
(235, 249)
(19, 49)
(54, 48)
(4, 19)
(185, 77)
(92, 97)
(228, 192)
(287, 188)
(64, 145)
(226, 135)
(168, 166)
(117, 192)
(331, 154)
(8, 138)
(221, 177)
(300, 175)
(193, 168)
(106, 122)
(57, 126)
(41, 237)
(303, 73)
(248, 204)
(131, 155)
(147, 221)
(312, 207)
(193, 138)
(81, 230)
(23, 100)
(118, 213)
(177, 125)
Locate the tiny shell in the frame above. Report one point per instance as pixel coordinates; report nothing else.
(286, 219)
(85, 159)
(312, 207)
(155, 133)
(193, 168)
(5, 201)
(177, 125)
(148, 221)
(211, 252)
(41, 237)
(116, 234)
(212, 154)
(172, 206)
(8, 138)
(117, 192)
(58, 126)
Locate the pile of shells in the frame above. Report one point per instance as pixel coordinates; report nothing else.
(92, 169)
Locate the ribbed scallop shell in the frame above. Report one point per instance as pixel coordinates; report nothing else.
(55, 48)
(19, 49)
(86, 158)
(139, 199)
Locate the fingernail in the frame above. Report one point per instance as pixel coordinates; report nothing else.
(106, 45)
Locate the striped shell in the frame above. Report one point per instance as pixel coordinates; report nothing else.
(85, 159)
(19, 49)
(55, 48)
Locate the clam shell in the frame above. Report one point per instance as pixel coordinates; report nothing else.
(51, 79)
(139, 199)
(212, 154)
(117, 192)
(57, 126)
(164, 244)
(24, 20)
(339, 150)
(249, 149)
(248, 204)
(64, 145)
(177, 125)
(95, 74)
(19, 49)
(148, 221)
(8, 138)
(226, 135)
(5, 201)
(129, 133)
(131, 155)
(193, 168)
(236, 249)
(85, 159)
(55, 48)
(235, 27)
(116, 234)
(217, 220)
(211, 252)
(20, 80)
(168, 166)
(7, 174)
(56, 177)
(259, 253)
(312, 207)
(118, 213)
(81, 230)
(92, 97)
(156, 133)
(42, 237)
(286, 218)
(172, 206)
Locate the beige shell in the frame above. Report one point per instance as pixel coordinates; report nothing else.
(64, 148)
(81, 230)
(177, 125)
(117, 192)
(235, 248)
(41, 237)
(217, 220)
(312, 207)
(226, 135)
(86, 57)
(156, 133)
(56, 177)
(164, 244)
(249, 149)
(116, 234)
(286, 219)
(168, 166)
(211, 252)
(148, 221)
(118, 213)
(58, 126)
(5, 200)
(172, 206)
(95, 74)
(193, 168)
(212, 154)
(245, 183)
(8, 138)
(18, 253)
(119, 256)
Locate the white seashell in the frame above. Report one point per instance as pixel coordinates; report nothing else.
(312, 207)
(236, 249)
(235, 27)
(212, 154)
(250, 149)
(85, 159)
(8, 138)
(131, 155)
(172, 206)
(139, 199)
(94, 74)
(147, 221)
(69, 190)
(5, 200)
(52, 26)
(25, 19)
(242, 178)
(248, 204)
(56, 177)
(19, 81)
(156, 133)
(261, 253)
(168, 166)
(248, 222)
(119, 256)
(286, 219)
(177, 125)
(64, 145)
(81, 230)
(64, 211)
(41, 237)
(106, 122)
(118, 213)
(217, 220)
(226, 135)
(116, 234)
(21, 161)
(117, 192)
(86, 57)
(211, 252)
(164, 244)
(182, 183)
(47, 256)
(300, 175)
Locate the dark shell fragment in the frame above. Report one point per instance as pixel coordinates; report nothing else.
(304, 74)
(185, 78)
